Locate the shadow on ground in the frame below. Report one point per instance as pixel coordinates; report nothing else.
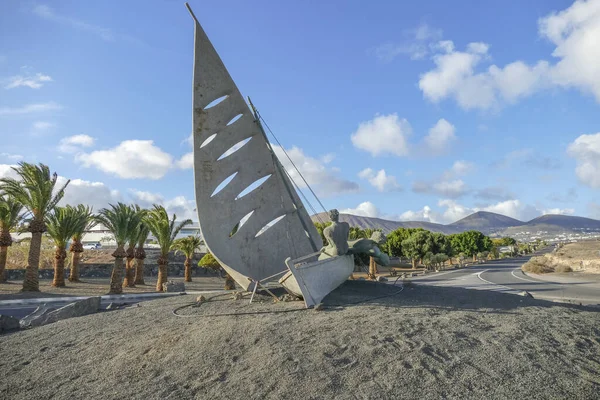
(365, 293)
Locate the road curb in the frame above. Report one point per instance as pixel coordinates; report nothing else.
(106, 298)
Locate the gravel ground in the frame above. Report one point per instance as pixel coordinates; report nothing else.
(422, 342)
(100, 286)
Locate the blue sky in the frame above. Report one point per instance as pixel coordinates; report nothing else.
(401, 110)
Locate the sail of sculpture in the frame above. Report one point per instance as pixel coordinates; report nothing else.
(250, 233)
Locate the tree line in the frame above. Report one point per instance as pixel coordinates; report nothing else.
(30, 203)
(433, 249)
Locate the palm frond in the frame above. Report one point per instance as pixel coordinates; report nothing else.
(34, 188)
(62, 223)
(11, 213)
(163, 229)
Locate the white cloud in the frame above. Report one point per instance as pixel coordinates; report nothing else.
(424, 214)
(380, 180)
(494, 193)
(528, 158)
(364, 209)
(48, 13)
(42, 126)
(6, 171)
(73, 144)
(440, 136)
(574, 32)
(31, 109)
(31, 81)
(513, 208)
(586, 151)
(416, 46)
(179, 205)
(383, 134)
(13, 157)
(452, 189)
(94, 194)
(186, 161)
(324, 180)
(460, 168)
(445, 188)
(131, 159)
(453, 211)
(561, 211)
(327, 158)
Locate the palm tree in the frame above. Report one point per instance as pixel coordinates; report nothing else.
(187, 246)
(10, 216)
(140, 254)
(36, 191)
(62, 223)
(85, 222)
(129, 280)
(120, 220)
(165, 231)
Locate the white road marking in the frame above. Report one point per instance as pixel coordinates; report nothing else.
(523, 279)
(494, 284)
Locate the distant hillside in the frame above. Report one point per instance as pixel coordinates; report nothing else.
(485, 222)
(385, 225)
(566, 221)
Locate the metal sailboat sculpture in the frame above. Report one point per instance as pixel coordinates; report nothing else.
(251, 218)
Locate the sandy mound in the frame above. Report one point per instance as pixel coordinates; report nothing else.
(424, 342)
(577, 257)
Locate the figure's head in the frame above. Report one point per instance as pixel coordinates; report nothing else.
(378, 237)
(334, 215)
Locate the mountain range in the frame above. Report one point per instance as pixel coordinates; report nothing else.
(486, 222)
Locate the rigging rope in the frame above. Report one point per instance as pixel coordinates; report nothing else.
(290, 159)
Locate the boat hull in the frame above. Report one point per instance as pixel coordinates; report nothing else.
(314, 280)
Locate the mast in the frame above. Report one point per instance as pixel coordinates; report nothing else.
(283, 175)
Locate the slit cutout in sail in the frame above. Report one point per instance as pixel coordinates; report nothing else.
(208, 140)
(269, 225)
(237, 226)
(215, 102)
(253, 186)
(234, 119)
(234, 148)
(223, 184)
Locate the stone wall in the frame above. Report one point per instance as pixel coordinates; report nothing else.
(175, 269)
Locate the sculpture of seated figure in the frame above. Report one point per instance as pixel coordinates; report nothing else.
(370, 247)
(336, 235)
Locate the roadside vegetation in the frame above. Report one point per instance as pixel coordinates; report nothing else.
(572, 257)
(28, 203)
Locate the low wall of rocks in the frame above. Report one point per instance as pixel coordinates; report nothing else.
(105, 270)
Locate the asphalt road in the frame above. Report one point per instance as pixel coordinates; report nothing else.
(506, 276)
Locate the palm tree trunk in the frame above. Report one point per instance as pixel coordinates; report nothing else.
(129, 269)
(162, 273)
(129, 280)
(116, 279)
(59, 268)
(139, 272)
(140, 255)
(3, 257)
(31, 282)
(74, 275)
(188, 270)
(372, 268)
